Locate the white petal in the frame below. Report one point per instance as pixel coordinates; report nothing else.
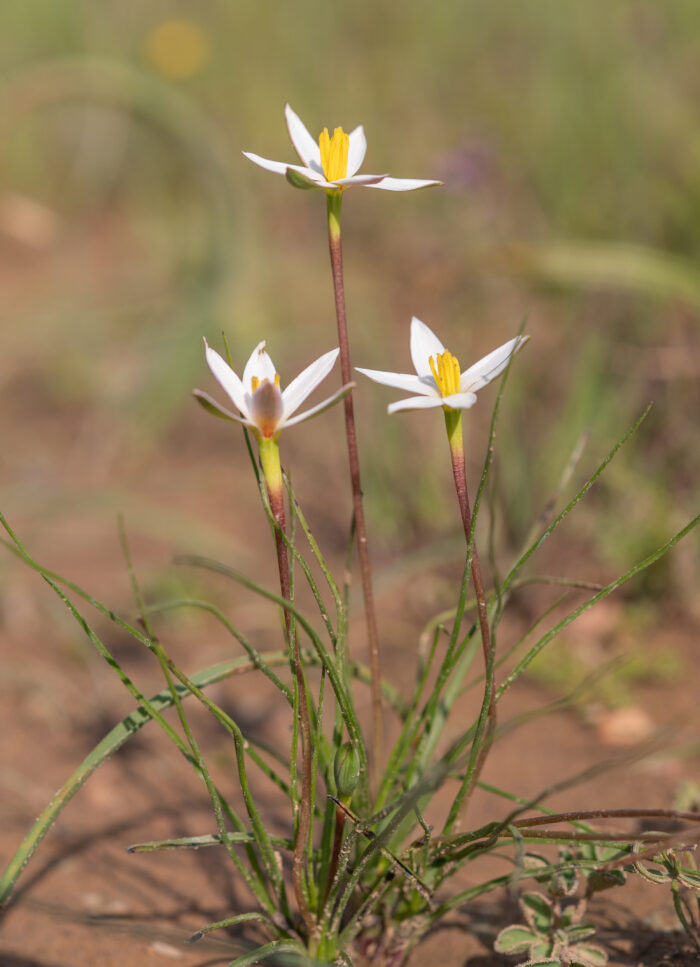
(415, 403)
(357, 148)
(459, 401)
(320, 407)
(280, 168)
(226, 378)
(365, 180)
(489, 367)
(404, 184)
(424, 344)
(304, 144)
(404, 381)
(259, 365)
(307, 381)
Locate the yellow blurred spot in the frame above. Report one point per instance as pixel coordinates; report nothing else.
(177, 49)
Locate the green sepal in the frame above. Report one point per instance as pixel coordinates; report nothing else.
(211, 406)
(297, 180)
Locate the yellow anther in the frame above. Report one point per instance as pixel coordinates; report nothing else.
(334, 154)
(255, 382)
(445, 370)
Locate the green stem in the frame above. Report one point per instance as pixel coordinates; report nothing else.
(272, 472)
(336, 253)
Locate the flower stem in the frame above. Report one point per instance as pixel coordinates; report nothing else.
(272, 472)
(453, 423)
(336, 252)
(337, 846)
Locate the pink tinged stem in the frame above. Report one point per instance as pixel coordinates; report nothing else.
(336, 253)
(272, 472)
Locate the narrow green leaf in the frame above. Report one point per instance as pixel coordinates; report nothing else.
(197, 842)
(573, 615)
(270, 950)
(113, 741)
(230, 922)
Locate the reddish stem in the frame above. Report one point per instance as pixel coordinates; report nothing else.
(336, 254)
(276, 497)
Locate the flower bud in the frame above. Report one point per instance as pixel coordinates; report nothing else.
(346, 770)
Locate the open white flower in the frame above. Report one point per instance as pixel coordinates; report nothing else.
(439, 381)
(332, 162)
(264, 407)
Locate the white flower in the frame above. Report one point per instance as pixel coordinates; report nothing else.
(264, 407)
(438, 380)
(331, 162)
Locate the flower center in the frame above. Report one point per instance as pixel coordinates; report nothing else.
(334, 154)
(266, 407)
(445, 370)
(255, 382)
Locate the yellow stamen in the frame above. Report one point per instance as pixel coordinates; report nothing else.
(255, 382)
(445, 370)
(334, 154)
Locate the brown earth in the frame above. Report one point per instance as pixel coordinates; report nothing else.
(83, 901)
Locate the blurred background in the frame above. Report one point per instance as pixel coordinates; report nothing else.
(131, 226)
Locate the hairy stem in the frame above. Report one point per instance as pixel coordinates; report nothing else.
(336, 253)
(272, 471)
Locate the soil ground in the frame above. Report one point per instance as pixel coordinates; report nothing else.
(84, 901)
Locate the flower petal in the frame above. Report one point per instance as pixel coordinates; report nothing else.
(281, 168)
(404, 184)
(357, 148)
(490, 366)
(459, 401)
(227, 379)
(366, 180)
(415, 403)
(304, 144)
(320, 407)
(307, 381)
(424, 344)
(259, 365)
(404, 381)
